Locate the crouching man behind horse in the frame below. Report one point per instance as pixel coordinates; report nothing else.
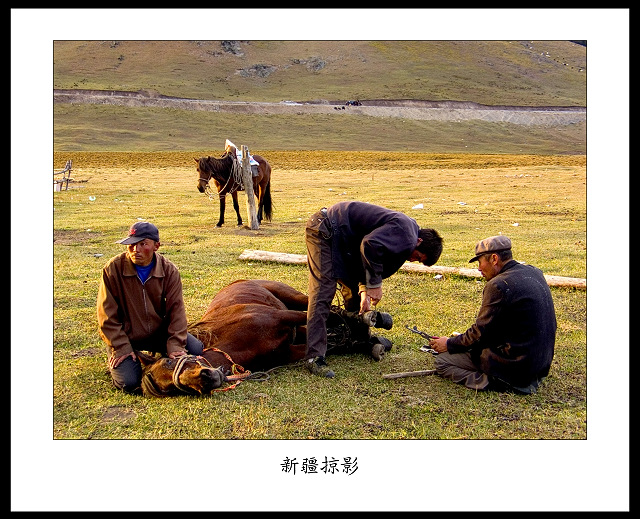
(140, 307)
(510, 346)
(357, 245)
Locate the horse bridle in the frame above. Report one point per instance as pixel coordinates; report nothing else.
(207, 188)
(233, 178)
(177, 370)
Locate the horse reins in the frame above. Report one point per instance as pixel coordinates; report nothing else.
(238, 373)
(207, 188)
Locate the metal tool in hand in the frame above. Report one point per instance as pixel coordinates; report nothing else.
(422, 334)
(426, 336)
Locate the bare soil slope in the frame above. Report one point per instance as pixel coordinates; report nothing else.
(408, 109)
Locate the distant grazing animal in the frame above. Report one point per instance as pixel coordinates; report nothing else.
(226, 175)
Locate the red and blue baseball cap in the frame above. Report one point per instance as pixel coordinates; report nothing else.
(139, 231)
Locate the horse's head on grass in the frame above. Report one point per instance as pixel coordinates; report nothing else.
(188, 374)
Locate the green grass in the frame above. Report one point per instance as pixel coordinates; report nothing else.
(113, 128)
(488, 72)
(547, 200)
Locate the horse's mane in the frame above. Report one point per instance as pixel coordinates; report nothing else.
(213, 165)
(199, 331)
(149, 388)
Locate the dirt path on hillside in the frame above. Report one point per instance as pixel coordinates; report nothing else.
(453, 111)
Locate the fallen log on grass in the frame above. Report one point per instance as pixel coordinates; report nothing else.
(301, 259)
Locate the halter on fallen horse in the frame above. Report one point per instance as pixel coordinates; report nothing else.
(179, 367)
(191, 375)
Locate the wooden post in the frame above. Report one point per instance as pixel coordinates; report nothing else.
(66, 177)
(404, 374)
(247, 180)
(67, 167)
(301, 259)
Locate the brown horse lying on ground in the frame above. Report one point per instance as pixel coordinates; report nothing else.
(257, 325)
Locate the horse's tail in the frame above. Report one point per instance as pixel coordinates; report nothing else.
(267, 203)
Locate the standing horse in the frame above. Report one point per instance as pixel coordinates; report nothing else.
(222, 170)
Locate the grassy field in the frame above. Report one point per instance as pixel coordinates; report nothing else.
(536, 73)
(539, 201)
(112, 128)
(522, 73)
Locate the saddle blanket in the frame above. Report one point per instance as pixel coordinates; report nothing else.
(253, 163)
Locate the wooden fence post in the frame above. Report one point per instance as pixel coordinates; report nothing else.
(247, 180)
(66, 177)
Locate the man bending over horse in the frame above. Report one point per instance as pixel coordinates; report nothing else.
(141, 308)
(357, 245)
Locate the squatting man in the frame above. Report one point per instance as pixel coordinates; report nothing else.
(510, 346)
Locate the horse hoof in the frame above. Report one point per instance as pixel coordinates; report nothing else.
(384, 320)
(369, 318)
(386, 343)
(377, 351)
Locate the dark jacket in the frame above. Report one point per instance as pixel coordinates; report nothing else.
(514, 334)
(369, 242)
(129, 311)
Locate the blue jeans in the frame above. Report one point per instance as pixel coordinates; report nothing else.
(128, 375)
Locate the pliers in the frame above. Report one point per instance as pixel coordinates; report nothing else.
(424, 335)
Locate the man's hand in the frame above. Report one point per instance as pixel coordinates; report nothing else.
(375, 295)
(365, 302)
(439, 344)
(369, 297)
(114, 362)
(176, 354)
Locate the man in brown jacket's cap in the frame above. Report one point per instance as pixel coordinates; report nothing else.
(140, 307)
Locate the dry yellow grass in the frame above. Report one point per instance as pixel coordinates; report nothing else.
(465, 197)
(313, 159)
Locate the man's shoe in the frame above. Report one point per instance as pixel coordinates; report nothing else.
(319, 367)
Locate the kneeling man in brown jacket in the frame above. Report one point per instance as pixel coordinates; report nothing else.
(141, 308)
